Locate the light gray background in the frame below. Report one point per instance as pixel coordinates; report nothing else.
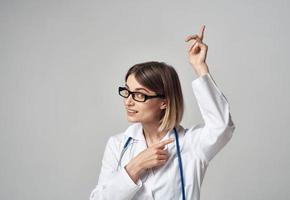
(62, 61)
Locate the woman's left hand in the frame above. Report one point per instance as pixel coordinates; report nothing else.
(197, 52)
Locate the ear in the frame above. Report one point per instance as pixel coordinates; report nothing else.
(163, 105)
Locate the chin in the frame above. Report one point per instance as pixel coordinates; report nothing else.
(133, 121)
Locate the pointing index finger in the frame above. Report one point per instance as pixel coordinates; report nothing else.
(165, 142)
(201, 32)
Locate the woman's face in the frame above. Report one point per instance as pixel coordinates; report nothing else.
(144, 112)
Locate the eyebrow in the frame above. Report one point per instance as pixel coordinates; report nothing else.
(137, 88)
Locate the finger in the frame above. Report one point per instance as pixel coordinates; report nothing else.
(160, 163)
(190, 37)
(162, 157)
(165, 142)
(197, 49)
(201, 32)
(197, 44)
(192, 46)
(162, 152)
(203, 48)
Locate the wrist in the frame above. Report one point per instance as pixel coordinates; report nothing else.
(201, 69)
(133, 170)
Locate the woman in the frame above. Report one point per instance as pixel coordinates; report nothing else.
(156, 158)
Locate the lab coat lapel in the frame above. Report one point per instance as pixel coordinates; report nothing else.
(136, 132)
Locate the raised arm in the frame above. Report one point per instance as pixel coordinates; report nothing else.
(210, 137)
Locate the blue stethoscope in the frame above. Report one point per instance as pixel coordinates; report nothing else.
(179, 160)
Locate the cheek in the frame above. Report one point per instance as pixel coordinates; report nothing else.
(149, 111)
(145, 110)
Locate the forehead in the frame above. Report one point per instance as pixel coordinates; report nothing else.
(133, 84)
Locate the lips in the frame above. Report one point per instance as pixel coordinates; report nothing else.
(132, 111)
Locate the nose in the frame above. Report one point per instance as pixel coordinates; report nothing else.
(129, 100)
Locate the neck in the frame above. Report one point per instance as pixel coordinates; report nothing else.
(151, 133)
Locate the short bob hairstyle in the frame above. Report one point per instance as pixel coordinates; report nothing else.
(162, 79)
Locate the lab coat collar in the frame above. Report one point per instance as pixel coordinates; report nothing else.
(136, 132)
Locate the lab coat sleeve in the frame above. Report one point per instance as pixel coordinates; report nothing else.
(113, 183)
(212, 135)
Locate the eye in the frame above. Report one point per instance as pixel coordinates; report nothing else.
(124, 92)
(139, 96)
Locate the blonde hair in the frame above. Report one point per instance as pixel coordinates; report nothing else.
(162, 79)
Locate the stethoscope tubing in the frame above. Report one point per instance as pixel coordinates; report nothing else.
(178, 155)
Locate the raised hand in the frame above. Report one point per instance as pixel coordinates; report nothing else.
(197, 51)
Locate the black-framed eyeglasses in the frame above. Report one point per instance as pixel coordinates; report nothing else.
(137, 96)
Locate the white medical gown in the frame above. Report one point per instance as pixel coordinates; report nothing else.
(198, 145)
